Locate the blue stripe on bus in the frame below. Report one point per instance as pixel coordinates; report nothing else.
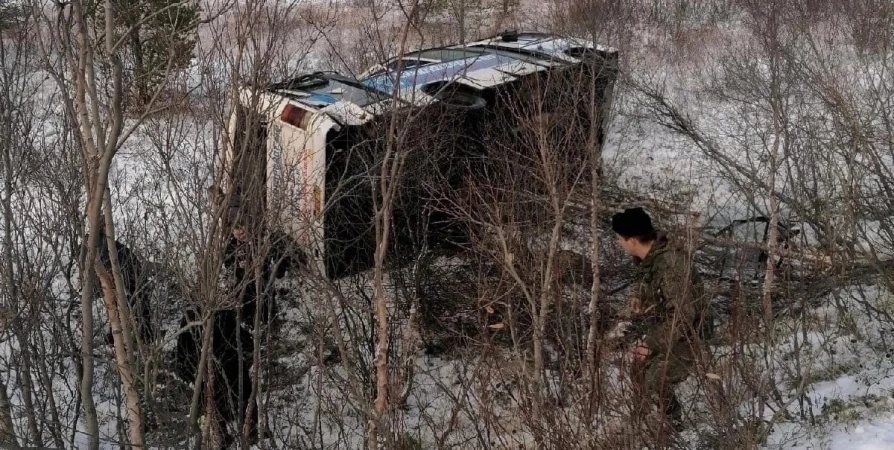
(438, 72)
(320, 98)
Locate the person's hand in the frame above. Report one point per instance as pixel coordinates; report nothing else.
(639, 352)
(618, 330)
(633, 308)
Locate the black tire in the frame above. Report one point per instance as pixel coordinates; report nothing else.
(455, 97)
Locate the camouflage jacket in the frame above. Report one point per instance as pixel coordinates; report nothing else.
(671, 298)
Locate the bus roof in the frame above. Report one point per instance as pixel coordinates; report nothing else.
(481, 64)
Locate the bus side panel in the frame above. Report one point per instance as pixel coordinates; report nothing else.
(278, 168)
(316, 176)
(297, 168)
(289, 176)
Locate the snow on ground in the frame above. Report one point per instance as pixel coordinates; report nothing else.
(851, 391)
(870, 435)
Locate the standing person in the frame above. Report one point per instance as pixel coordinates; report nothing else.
(666, 310)
(231, 350)
(243, 251)
(232, 383)
(238, 259)
(242, 255)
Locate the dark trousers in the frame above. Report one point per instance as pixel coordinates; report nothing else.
(250, 303)
(232, 383)
(655, 380)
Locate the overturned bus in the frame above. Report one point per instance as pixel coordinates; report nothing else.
(306, 154)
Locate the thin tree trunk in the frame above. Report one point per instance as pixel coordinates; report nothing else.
(139, 69)
(7, 432)
(124, 353)
(772, 235)
(318, 399)
(97, 166)
(411, 336)
(57, 424)
(128, 378)
(118, 281)
(383, 226)
(540, 314)
(241, 417)
(26, 383)
(545, 305)
(392, 165)
(597, 116)
(775, 100)
(12, 291)
(212, 435)
(204, 358)
(254, 404)
(86, 387)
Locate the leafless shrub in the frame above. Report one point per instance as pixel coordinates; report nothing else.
(513, 319)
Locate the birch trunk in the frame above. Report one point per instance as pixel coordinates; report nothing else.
(392, 165)
(596, 118)
(128, 379)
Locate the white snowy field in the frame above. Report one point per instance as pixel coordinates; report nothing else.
(844, 398)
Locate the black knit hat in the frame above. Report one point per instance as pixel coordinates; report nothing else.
(633, 222)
